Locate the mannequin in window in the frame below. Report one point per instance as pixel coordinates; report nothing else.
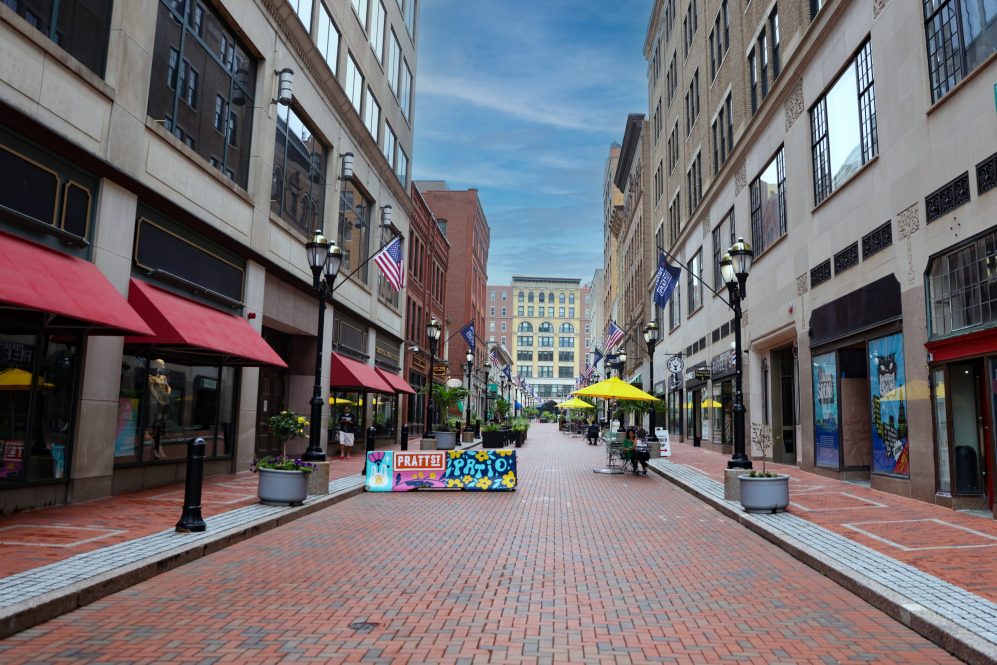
(159, 394)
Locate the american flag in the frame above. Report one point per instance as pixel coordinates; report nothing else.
(389, 260)
(614, 335)
(578, 381)
(588, 370)
(493, 357)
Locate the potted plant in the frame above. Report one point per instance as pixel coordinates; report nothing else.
(445, 398)
(763, 491)
(284, 480)
(492, 436)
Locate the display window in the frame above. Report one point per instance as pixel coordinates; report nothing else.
(38, 388)
(163, 404)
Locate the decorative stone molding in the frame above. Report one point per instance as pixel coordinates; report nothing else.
(908, 221)
(740, 179)
(878, 6)
(793, 107)
(802, 285)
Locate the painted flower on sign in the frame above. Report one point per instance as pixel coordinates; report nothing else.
(483, 483)
(509, 480)
(454, 482)
(482, 455)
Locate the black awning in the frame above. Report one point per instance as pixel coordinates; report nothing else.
(872, 305)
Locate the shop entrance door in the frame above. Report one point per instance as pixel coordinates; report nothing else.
(269, 402)
(784, 409)
(968, 462)
(695, 422)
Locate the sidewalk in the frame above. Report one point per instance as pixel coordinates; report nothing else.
(929, 567)
(53, 560)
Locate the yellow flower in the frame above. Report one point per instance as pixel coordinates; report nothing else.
(509, 480)
(504, 453)
(467, 480)
(454, 482)
(484, 483)
(482, 455)
(301, 419)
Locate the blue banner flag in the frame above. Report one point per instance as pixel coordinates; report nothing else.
(664, 281)
(507, 372)
(596, 357)
(467, 332)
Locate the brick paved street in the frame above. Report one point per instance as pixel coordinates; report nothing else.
(572, 567)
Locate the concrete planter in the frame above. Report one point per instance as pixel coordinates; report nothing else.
(282, 488)
(446, 440)
(764, 495)
(467, 437)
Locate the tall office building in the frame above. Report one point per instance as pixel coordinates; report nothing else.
(165, 163)
(852, 145)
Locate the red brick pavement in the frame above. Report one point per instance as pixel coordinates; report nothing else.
(40, 537)
(573, 567)
(957, 547)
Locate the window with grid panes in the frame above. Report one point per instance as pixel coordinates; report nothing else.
(768, 204)
(962, 287)
(377, 25)
(694, 282)
(843, 128)
(723, 239)
(675, 308)
(328, 39)
(674, 220)
(960, 34)
(360, 7)
(721, 130)
(694, 187)
(774, 31)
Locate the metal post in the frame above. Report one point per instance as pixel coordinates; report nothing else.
(368, 446)
(405, 436)
(428, 432)
(739, 460)
(190, 519)
(314, 453)
(467, 400)
(650, 372)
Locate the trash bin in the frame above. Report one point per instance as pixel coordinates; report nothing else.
(967, 470)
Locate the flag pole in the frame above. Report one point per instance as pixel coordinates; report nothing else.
(394, 237)
(682, 265)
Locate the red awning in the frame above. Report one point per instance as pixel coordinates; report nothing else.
(34, 277)
(180, 322)
(399, 384)
(354, 375)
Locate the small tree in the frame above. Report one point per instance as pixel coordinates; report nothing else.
(444, 397)
(761, 436)
(502, 408)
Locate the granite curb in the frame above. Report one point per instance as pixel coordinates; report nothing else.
(958, 641)
(38, 609)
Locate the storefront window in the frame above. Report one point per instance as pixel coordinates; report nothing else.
(37, 392)
(827, 445)
(718, 413)
(385, 410)
(941, 432)
(163, 404)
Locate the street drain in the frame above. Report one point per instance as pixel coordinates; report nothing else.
(362, 626)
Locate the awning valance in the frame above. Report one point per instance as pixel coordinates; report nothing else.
(192, 327)
(33, 277)
(354, 375)
(399, 384)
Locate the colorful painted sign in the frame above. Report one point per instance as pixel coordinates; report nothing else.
(888, 391)
(475, 470)
(827, 441)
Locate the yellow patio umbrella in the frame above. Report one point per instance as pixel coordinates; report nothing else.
(13, 378)
(711, 402)
(338, 400)
(614, 388)
(574, 403)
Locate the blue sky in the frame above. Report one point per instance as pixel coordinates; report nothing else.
(522, 99)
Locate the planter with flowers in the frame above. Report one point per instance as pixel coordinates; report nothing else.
(284, 480)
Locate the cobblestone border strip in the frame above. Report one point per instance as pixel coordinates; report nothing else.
(37, 595)
(957, 620)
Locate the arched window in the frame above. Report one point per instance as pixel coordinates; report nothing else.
(541, 298)
(520, 296)
(525, 326)
(529, 298)
(567, 328)
(551, 298)
(571, 299)
(545, 327)
(561, 299)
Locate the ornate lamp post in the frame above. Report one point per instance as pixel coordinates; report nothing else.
(433, 331)
(467, 400)
(734, 268)
(651, 337)
(323, 257)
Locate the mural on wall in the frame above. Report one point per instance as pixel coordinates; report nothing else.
(888, 391)
(474, 470)
(827, 444)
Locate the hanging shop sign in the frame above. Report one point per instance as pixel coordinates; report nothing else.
(888, 392)
(827, 443)
(675, 365)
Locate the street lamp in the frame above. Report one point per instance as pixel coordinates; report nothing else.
(433, 333)
(323, 256)
(734, 268)
(467, 400)
(486, 372)
(651, 337)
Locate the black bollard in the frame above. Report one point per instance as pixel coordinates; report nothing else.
(191, 519)
(405, 436)
(477, 428)
(368, 446)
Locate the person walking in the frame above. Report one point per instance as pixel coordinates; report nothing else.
(346, 425)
